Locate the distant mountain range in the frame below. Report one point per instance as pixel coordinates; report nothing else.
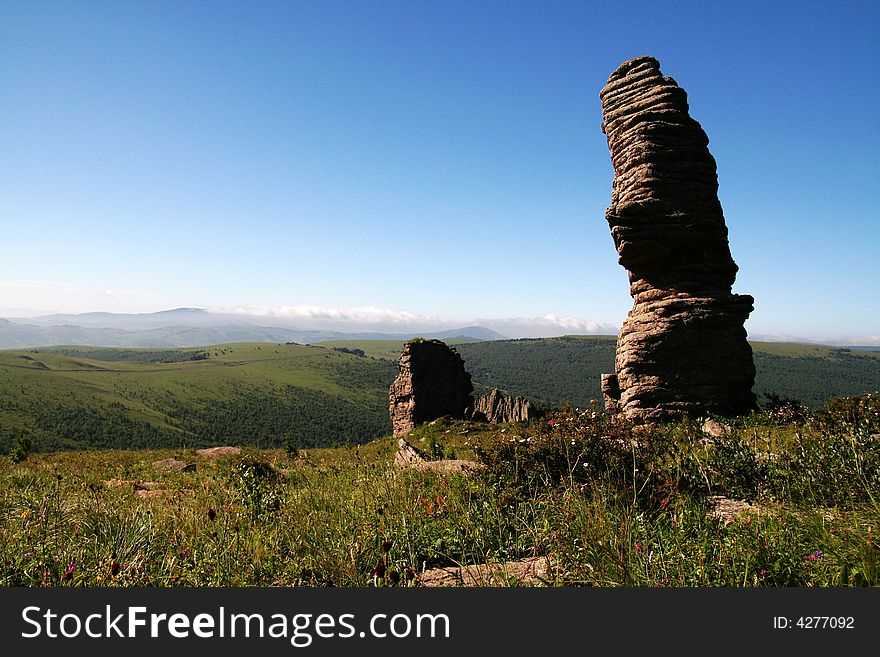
(185, 327)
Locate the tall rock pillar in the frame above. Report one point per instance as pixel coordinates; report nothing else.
(683, 347)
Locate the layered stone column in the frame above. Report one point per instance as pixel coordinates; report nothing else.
(683, 347)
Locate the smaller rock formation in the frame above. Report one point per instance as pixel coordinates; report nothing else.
(496, 407)
(432, 383)
(610, 392)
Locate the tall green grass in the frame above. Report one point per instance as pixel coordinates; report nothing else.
(609, 503)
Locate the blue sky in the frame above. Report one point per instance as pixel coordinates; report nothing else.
(422, 159)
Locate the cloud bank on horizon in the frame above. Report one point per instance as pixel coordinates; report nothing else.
(372, 318)
(376, 319)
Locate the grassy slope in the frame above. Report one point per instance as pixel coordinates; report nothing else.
(255, 393)
(387, 349)
(165, 395)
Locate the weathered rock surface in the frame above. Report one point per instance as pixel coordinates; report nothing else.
(217, 452)
(531, 571)
(432, 383)
(727, 510)
(682, 348)
(174, 465)
(496, 407)
(408, 456)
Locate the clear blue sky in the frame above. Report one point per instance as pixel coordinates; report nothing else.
(440, 158)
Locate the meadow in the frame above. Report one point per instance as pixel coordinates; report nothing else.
(606, 502)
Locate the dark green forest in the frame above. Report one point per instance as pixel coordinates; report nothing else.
(552, 370)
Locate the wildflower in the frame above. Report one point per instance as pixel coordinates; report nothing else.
(68, 574)
(379, 570)
(410, 575)
(815, 556)
(638, 547)
(27, 555)
(386, 546)
(394, 577)
(114, 568)
(212, 515)
(552, 423)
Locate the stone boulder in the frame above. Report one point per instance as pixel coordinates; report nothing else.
(174, 465)
(683, 347)
(431, 383)
(496, 407)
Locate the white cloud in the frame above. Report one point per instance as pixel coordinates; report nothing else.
(362, 314)
(853, 340)
(394, 320)
(547, 326)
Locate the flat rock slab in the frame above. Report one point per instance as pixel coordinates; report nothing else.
(408, 456)
(216, 452)
(531, 571)
(728, 510)
(159, 493)
(173, 465)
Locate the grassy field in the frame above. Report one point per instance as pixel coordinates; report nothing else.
(607, 503)
(320, 395)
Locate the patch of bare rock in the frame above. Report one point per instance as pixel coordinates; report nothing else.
(217, 452)
(532, 571)
(409, 456)
(715, 429)
(727, 510)
(174, 465)
(145, 490)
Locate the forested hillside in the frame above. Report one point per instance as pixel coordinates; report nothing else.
(257, 394)
(270, 395)
(550, 370)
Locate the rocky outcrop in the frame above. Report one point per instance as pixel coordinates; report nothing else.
(682, 348)
(496, 407)
(431, 383)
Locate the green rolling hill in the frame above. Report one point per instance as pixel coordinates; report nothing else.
(240, 393)
(267, 394)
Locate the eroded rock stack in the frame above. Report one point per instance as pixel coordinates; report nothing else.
(497, 407)
(683, 347)
(432, 383)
